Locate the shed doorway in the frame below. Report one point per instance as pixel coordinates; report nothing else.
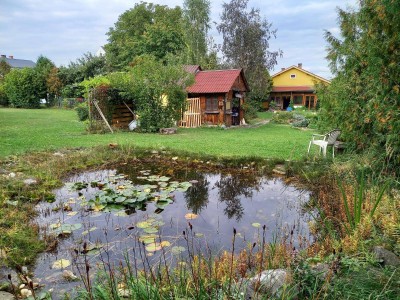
(191, 118)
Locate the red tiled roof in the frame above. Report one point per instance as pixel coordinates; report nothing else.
(304, 88)
(217, 81)
(192, 68)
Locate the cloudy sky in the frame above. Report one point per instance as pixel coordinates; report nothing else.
(63, 30)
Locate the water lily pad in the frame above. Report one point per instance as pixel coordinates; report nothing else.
(150, 230)
(152, 247)
(177, 250)
(147, 239)
(158, 223)
(165, 244)
(55, 225)
(198, 234)
(143, 224)
(256, 225)
(60, 264)
(121, 213)
(72, 213)
(191, 216)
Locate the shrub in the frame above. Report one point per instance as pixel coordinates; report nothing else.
(21, 87)
(250, 110)
(282, 117)
(299, 121)
(83, 111)
(3, 96)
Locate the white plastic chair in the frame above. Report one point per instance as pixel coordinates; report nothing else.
(324, 141)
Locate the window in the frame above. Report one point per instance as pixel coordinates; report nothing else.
(292, 76)
(298, 100)
(212, 103)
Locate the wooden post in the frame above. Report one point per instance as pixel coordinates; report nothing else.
(102, 115)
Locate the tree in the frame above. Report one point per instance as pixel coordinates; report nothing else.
(159, 90)
(5, 68)
(364, 97)
(22, 88)
(245, 45)
(196, 14)
(85, 67)
(42, 69)
(144, 29)
(54, 84)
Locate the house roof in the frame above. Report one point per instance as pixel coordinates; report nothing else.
(301, 70)
(18, 63)
(216, 81)
(304, 88)
(192, 68)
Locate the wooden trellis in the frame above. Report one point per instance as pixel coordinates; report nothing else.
(98, 110)
(192, 116)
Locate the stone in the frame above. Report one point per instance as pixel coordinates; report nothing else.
(269, 281)
(25, 293)
(69, 275)
(4, 272)
(279, 169)
(387, 257)
(167, 130)
(6, 296)
(58, 154)
(321, 270)
(30, 181)
(24, 270)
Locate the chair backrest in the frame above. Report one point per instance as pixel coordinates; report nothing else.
(332, 136)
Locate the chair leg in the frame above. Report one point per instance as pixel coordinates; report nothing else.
(333, 152)
(324, 150)
(309, 146)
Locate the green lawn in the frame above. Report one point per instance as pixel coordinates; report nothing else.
(24, 130)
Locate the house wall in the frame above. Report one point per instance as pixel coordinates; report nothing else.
(300, 79)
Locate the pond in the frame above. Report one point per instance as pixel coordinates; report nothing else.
(174, 207)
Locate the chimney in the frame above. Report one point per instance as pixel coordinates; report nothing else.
(3, 55)
(282, 69)
(300, 65)
(11, 57)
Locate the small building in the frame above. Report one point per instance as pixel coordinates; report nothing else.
(295, 83)
(216, 97)
(16, 63)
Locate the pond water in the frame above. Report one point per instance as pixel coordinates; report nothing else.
(212, 203)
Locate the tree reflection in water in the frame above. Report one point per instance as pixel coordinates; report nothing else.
(232, 187)
(197, 195)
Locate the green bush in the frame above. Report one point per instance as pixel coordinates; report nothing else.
(282, 117)
(3, 96)
(22, 87)
(299, 121)
(83, 111)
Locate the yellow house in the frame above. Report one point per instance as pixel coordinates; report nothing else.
(295, 83)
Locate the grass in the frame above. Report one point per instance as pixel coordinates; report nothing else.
(29, 137)
(24, 130)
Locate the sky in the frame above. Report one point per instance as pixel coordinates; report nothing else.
(63, 30)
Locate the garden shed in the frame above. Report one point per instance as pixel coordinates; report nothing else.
(216, 98)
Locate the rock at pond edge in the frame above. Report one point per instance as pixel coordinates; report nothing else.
(6, 296)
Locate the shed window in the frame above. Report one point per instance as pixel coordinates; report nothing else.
(292, 76)
(298, 100)
(212, 104)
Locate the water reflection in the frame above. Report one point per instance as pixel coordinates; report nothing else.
(232, 188)
(197, 196)
(221, 201)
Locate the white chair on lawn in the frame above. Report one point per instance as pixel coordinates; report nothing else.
(325, 140)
